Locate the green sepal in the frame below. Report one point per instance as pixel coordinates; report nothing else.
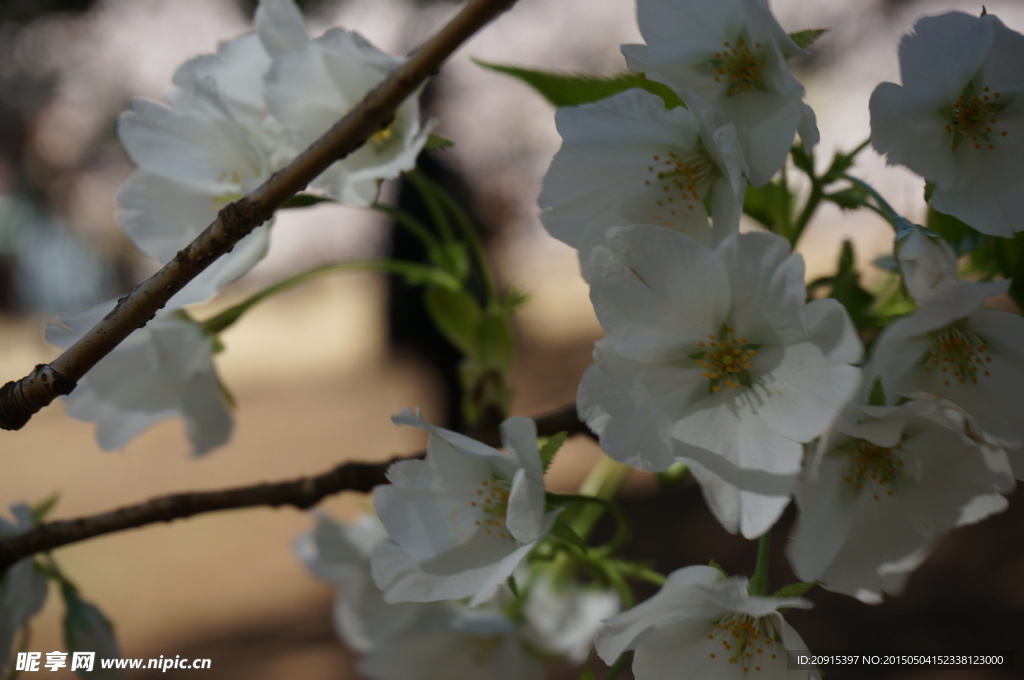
(848, 199)
(675, 475)
(803, 160)
(39, 511)
(794, 589)
(563, 531)
(804, 38)
(456, 314)
(573, 89)
(436, 142)
(306, 201)
(888, 263)
(876, 397)
(719, 567)
(587, 674)
(549, 446)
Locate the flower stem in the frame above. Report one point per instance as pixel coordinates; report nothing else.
(411, 270)
(604, 481)
(617, 667)
(759, 581)
(901, 224)
(810, 207)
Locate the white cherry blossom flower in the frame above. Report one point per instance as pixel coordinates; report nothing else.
(884, 485)
(927, 263)
(236, 117)
(23, 588)
(953, 348)
(308, 90)
(629, 160)
(707, 624)
(451, 640)
(340, 554)
(733, 53)
(958, 118)
(462, 519)
(410, 640)
(162, 370)
(564, 618)
(214, 143)
(714, 357)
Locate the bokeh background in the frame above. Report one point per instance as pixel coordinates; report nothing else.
(317, 371)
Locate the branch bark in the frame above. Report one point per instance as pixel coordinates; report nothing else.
(301, 493)
(20, 400)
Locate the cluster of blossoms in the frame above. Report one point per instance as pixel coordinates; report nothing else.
(713, 356)
(423, 588)
(231, 120)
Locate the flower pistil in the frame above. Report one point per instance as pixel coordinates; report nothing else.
(973, 116)
(725, 360)
(739, 67)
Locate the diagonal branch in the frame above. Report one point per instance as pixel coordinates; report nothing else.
(20, 400)
(301, 493)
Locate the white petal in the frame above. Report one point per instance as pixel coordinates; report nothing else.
(801, 395)
(623, 403)
(280, 26)
(926, 62)
(643, 294)
(832, 331)
(679, 599)
(908, 130)
(767, 281)
(750, 513)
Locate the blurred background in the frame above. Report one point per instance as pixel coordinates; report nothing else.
(317, 371)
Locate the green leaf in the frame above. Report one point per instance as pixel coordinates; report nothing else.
(573, 89)
(804, 38)
(550, 446)
(40, 510)
(456, 314)
(877, 395)
(794, 589)
(771, 205)
(846, 287)
(305, 201)
(495, 342)
(87, 629)
(436, 142)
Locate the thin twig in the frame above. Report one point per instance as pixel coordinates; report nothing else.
(301, 493)
(20, 400)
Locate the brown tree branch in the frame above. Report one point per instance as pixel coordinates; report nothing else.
(301, 493)
(20, 400)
